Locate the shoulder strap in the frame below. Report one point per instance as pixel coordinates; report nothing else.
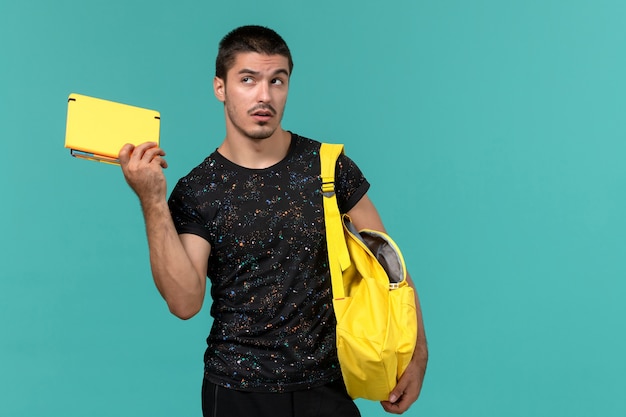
(338, 256)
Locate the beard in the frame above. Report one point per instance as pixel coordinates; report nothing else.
(258, 130)
(259, 134)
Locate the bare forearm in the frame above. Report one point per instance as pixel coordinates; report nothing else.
(409, 385)
(177, 280)
(179, 270)
(420, 355)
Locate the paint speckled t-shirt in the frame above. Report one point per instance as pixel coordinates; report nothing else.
(273, 327)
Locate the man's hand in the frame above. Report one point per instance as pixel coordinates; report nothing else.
(143, 169)
(408, 388)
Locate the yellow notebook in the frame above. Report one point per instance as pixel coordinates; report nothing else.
(97, 129)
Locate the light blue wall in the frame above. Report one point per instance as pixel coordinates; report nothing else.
(493, 134)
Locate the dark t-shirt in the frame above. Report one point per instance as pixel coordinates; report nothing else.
(274, 326)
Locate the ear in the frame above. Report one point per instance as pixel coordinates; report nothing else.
(219, 89)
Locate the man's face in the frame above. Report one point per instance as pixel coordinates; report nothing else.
(254, 94)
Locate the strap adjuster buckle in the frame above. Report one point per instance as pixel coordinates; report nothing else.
(328, 188)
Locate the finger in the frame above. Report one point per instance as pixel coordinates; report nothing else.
(153, 153)
(395, 408)
(124, 154)
(401, 398)
(140, 150)
(162, 162)
(397, 393)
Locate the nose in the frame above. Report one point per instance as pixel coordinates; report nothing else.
(264, 93)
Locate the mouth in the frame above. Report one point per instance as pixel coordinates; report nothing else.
(262, 113)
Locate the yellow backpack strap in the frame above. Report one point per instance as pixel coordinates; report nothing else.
(338, 256)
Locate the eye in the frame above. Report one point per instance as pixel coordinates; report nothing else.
(277, 81)
(247, 80)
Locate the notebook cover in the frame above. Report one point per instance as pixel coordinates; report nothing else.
(97, 129)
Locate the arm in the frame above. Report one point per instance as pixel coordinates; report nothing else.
(179, 262)
(365, 216)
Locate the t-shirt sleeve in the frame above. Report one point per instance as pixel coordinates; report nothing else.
(184, 209)
(351, 183)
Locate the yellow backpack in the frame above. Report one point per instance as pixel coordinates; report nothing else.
(374, 305)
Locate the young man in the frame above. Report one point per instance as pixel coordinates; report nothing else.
(251, 218)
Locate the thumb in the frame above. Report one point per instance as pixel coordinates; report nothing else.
(396, 393)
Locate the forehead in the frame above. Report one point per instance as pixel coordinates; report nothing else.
(261, 63)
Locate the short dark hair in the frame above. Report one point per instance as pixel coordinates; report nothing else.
(250, 38)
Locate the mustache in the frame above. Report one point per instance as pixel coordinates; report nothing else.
(262, 106)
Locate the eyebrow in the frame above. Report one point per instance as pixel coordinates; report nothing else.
(252, 72)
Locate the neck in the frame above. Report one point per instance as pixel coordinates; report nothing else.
(256, 153)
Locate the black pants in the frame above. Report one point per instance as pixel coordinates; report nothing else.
(327, 401)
